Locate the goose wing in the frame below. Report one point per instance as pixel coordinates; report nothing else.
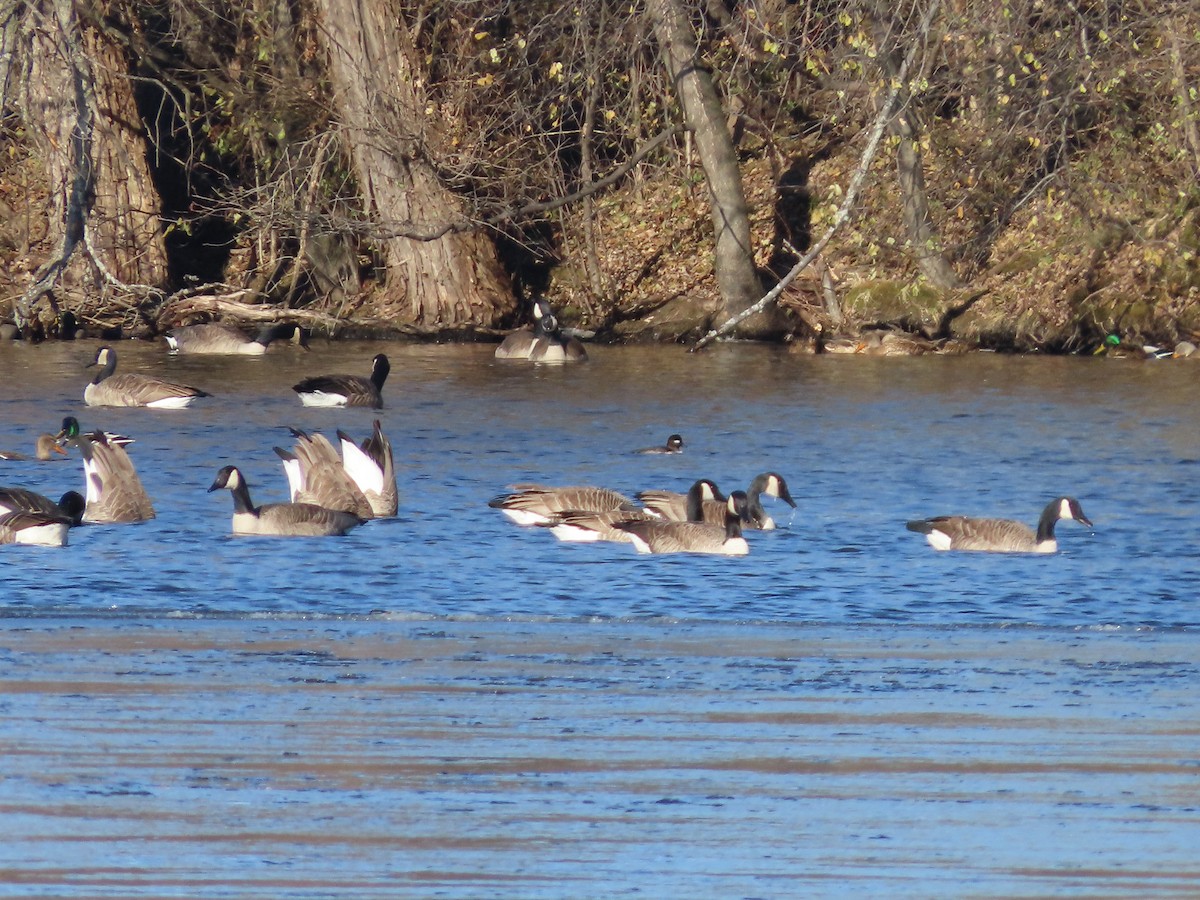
(323, 479)
(304, 520)
(536, 504)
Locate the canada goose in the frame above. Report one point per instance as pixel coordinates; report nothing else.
(554, 346)
(693, 537)
(578, 526)
(44, 449)
(371, 466)
(673, 506)
(134, 389)
(70, 506)
(70, 434)
(280, 519)
(316, 476)
(674, 444)
(535, 504)
(521, 342)
(999, 535)
(111, 484)
(40, 529)
(216, 338)
(346, 390)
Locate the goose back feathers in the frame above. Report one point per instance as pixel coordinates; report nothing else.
(35, 528)
(693, 537)
(999, 535)
(134, 389)
(535, 504)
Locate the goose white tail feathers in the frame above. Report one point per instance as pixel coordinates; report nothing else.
(999, 535)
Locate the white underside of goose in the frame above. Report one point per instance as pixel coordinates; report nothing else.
(51, 535)
(361, 468)
(322, 399)
(525, 517)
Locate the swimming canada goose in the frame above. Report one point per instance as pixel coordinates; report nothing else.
(70, 506)
(371, 466)
(674, 444)
(536, 504)
(111, 485)
(555, 347)
(346, 390)
(280, 519)
(44, 449)
(39, 529)
(215, 338)
(576, 526)
(521, 342)
(316, 476)
(673, 507)
(134, 389)
(999, 535)
(693, 537)
(70, 434)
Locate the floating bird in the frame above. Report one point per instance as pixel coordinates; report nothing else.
(575, 526)
(44, 449)
(554, 346)
(70, 434)
(214, 338)
(134, 389)
(536, 504)
(36, 528)
(673, 506)
(371, 466)
(70, 506)
(316, 476)
(674, 444)
(999, 535)
(346, 390)
(520, 343)
(113, 490)
(280, 519)
(693, 537)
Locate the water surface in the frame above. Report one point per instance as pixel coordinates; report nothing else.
(448, 705)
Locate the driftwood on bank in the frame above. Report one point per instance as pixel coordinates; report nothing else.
(230, 305)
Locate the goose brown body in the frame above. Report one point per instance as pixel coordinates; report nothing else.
(134, 389)
(113, 490)
(693, 537)
(214, 338)
(280, 519)
(536, 504)
(999, 535)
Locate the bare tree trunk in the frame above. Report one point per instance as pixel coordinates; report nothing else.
(923, 237)
(737, 276)
(81, 115)
(454, 280)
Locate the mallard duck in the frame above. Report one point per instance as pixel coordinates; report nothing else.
(70, 434)
(999, 535)
(44, 449)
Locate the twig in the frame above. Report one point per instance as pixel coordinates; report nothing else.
(852, 192)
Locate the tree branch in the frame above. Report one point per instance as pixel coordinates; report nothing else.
(852, 191)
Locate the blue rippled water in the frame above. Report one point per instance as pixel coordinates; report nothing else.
(864, 443)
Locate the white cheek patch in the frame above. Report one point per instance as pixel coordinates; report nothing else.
(1064, 509)
(939, 540)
